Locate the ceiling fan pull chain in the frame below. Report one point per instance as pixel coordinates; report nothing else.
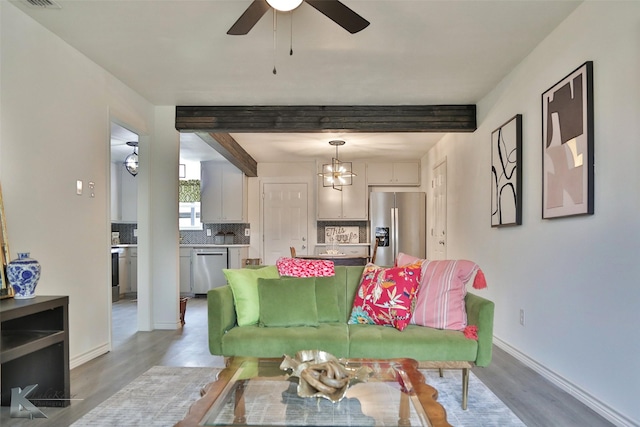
(291, 36)
(275, 25)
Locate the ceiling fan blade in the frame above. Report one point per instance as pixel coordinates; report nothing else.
(340, 14)
(249, 18)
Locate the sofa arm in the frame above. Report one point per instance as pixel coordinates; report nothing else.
(480, 313)
(222, 316)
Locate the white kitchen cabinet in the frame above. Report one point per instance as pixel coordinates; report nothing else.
(133, 270)
(128, 196)
(350, 250)
(185, 271)
(123, 271)
(222, 193)
(236, 256)
(399, 173)
(349, 204)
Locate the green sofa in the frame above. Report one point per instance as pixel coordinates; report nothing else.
(433, 348)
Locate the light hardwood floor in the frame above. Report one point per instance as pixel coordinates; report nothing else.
(535, 400)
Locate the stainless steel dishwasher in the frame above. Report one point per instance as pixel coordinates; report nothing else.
(207, 265)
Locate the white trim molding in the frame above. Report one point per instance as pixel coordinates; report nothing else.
(591, 401)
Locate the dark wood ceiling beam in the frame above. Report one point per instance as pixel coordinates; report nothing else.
(359, 118)
(229, 148)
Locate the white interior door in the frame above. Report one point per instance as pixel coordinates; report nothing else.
(284, 220)
(439, 224)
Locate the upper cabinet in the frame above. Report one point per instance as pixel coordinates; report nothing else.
(400, 173)
(223, 193)
(349, 204)
(124, 195)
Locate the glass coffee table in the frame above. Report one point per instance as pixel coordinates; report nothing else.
(256, 392)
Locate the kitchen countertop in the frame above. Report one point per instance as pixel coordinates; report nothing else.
(187, 245)
(345, 244)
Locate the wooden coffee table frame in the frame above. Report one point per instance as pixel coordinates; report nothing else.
(426, 394)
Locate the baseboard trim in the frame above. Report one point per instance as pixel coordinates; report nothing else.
(169, 326)
(89, 355)
(591, 401)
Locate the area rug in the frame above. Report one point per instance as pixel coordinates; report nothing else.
(162, 397)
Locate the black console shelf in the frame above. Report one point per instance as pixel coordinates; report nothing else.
(34, 348)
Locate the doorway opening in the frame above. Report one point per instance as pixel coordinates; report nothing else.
(124, 226)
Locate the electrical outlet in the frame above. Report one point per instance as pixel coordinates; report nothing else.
(247, 232)
(522, 317)
(135, 232)
(209, 232)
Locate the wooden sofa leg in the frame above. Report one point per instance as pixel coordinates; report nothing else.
(465, 387)
(441, 372)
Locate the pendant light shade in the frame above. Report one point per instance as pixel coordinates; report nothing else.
(337, 174)
(131, 161)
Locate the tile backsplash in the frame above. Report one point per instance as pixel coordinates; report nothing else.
(195, 237)
(199, 237)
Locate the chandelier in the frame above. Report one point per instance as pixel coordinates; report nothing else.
(337, 174)
(131, 161)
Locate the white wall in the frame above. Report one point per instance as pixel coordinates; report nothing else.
(576, 278)
(56, 108)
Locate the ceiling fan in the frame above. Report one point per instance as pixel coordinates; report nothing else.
(332, 9)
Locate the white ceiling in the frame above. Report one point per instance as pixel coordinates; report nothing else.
(177, 52)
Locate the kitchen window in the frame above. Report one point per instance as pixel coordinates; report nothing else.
(189, 205)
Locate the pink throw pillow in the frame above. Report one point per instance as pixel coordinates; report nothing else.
(298, 267)
(440, 301)
(386, 295)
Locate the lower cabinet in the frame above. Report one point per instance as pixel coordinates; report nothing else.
(350, 250)
(123, 271)
(237, 257)
(185, 271)
(133, 270)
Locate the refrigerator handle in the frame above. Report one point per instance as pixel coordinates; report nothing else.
(394, 233)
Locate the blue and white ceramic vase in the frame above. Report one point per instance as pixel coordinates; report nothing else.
(23, 274)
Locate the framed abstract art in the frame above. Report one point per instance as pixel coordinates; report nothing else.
(567, 145)
(506, 173)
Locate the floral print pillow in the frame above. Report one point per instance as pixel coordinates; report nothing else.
(386, 295)
(297, 267)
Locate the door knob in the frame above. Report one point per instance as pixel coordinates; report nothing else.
(304, 247)
(304, 239)
(441, 242)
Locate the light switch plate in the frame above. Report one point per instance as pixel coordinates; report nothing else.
(247, 232)
(135, 232)
(209, 232)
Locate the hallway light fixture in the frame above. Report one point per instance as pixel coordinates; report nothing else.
(131, 161)
(337, 174)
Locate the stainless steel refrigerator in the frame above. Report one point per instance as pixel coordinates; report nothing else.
(398, 223)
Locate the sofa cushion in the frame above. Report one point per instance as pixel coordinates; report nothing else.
(440, 303)
(244, 285)
(255, 341)
(385, 295)
(415, 342)
(287, 302)
(327, 298)
(297, 267)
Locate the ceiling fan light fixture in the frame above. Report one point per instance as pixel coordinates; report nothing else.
(284, 5)
(131, 161)
(337, 174)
